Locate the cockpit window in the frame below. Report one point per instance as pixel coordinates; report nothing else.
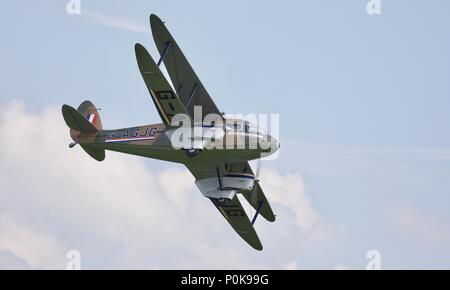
(252, 129)
(244, 126)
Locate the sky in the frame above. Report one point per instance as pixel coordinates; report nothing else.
(364, 162)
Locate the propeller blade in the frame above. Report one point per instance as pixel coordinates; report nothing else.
(258, 168)
(253, 195)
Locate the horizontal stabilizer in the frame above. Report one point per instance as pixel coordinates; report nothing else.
(76, 121)
(97, 154)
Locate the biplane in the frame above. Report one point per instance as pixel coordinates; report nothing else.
(220, 172)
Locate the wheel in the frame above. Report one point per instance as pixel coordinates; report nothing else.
(192, 152)
(223, 200)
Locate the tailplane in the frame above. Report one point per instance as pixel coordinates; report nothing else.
(84, 122)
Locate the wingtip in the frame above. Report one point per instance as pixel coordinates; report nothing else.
(256, 244)
(139, 49)
(154, 19)
(138, 46)
(272, 219)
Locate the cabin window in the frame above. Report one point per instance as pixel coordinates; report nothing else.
(247, 127)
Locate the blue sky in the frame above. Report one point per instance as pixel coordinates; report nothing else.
(362, 99)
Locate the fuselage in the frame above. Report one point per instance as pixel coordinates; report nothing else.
(156, 141)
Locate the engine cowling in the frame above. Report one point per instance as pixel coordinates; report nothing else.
(232, 183)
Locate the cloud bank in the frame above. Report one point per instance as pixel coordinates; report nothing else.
(406, 220)
(119, 214)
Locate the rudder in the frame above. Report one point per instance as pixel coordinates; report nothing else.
(90, 112)
(85, 120)
(76, 121)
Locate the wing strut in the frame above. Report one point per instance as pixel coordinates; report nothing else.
(166, 50)
(194, 89)
(257, 212)
(220, 178)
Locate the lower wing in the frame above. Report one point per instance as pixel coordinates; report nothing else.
(233, 212)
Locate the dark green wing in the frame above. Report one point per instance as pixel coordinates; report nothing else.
(166, 101)
(185, 81)
(257, 195)
(233, 212)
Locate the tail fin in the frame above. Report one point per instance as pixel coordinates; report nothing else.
(85, 120)
(90, 112)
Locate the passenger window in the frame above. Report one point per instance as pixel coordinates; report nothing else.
(247, 127)
(237, 128)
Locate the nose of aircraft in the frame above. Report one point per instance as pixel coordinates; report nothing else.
(270, 144)
(275, 144)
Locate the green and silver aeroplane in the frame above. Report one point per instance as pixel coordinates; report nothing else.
(194, 132)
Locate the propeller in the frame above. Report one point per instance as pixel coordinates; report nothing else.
(258, 169)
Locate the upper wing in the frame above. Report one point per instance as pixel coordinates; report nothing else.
(166, 101)
(257, 196)
(186, 83)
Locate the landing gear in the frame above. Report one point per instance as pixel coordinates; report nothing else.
(222, 200)
(192, 152)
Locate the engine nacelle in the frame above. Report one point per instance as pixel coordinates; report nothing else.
(232, 183)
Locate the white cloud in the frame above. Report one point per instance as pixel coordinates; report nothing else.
(341, 267)
(288, 190)
(115, 22)
(8, 260)
(39, 249)
(407, 220)
(292, 265)
(118, 213)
